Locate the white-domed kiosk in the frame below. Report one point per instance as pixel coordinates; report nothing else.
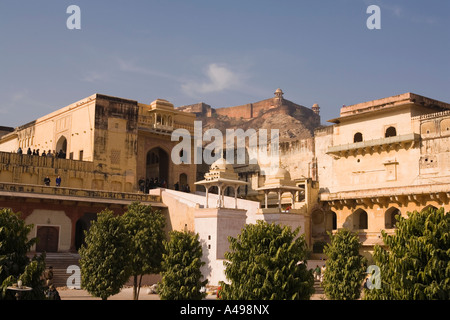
(221, 175)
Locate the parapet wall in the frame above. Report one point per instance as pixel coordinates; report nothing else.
(29, 169)
(244, 111)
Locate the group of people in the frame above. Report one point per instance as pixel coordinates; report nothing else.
(146, 184)
(57, 180)
(50, 290)
(184, 188)
(319, 272)
(35, 152)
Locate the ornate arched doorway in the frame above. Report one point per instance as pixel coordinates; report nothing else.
(157, 165)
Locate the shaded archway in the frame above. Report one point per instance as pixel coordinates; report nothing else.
(61, 147)
(360, 219)
(157, 165)
(389, 217)
(331, 221)
(82, 225)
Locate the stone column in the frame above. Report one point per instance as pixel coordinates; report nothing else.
(219, 199)
(266, 192)
(279, 200)
(235, 196)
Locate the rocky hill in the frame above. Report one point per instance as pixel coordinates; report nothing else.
(293, 121)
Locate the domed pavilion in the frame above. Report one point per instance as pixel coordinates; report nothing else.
(221, 175)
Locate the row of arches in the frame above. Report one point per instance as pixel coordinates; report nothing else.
(360, 218)
(161, 119)
(389, 132)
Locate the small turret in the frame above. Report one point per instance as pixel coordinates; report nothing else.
(279, 93)
(316, 108)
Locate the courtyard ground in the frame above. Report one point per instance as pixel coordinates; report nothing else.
(127, 293)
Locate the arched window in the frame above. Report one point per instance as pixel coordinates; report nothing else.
(390, 132)
(389, 217)
(358, 137)
(360, 219)
(429, 207)
(331, 220)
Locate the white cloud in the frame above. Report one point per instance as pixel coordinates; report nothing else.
(219, 78)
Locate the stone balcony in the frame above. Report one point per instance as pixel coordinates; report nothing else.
(147, 123)
(414, 193)
(376, 145)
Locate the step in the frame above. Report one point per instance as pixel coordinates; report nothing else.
(318, 287)
(60, 261)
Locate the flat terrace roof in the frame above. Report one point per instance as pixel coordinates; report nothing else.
(390, 102)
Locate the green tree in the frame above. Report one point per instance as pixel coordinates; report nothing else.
(345, 267)
(267, 261)
(32, 277)
(14, 262)
(181, 275)
(105, 258)
(416, 263)
(145, 227)
(14, 244)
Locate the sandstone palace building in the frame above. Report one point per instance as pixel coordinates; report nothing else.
(382, 158)
(376, 160)
(108, 144)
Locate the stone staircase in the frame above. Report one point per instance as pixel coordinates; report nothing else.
(318, 288)
(60, 261)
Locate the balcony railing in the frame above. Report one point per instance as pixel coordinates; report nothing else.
(147, 122)
(375, 145)
(50, 192)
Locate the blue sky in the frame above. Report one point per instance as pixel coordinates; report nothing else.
(221, 52)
